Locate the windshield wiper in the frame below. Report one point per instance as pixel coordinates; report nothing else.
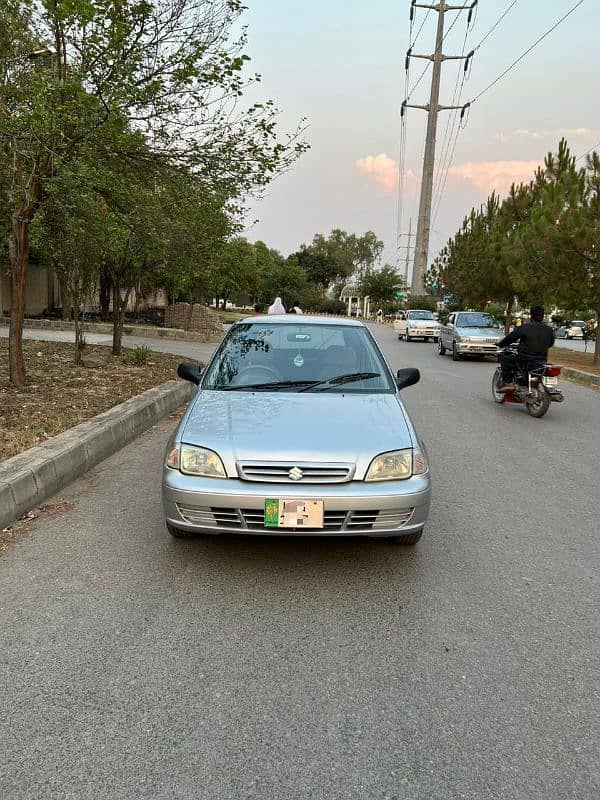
(232, 387)
(340, 379)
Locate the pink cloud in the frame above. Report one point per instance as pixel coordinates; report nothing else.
(384, 171)
(488, 176)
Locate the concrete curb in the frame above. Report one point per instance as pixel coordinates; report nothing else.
(588, 378)
(140, 331)
(27, 479)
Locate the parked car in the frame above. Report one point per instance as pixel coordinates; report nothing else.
(470, 333)
(417, 324)
(297, 427)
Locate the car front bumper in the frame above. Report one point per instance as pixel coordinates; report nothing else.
(424, 333)
(355, 508)
(477, 348)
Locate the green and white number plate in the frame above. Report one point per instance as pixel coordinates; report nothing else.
(282, 513)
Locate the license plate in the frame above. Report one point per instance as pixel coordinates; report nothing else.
(282, 513)
(548, 381)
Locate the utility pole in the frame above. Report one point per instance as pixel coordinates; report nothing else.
(408, 246)
(432, 108)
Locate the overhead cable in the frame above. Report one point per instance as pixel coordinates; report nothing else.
(529, 49)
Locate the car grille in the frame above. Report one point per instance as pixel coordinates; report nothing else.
(279, 472)
(334, 521)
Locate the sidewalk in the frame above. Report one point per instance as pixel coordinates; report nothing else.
(197, 350)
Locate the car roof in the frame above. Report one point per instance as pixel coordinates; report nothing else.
(295, 319)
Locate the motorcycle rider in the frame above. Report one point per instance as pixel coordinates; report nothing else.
(535, 338)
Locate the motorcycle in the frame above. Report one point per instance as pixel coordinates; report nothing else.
(537, 388)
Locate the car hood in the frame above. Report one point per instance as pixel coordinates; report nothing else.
(282, 426)
(483, 333)
(423, 323)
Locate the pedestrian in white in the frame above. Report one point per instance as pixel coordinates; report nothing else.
(277, 307)
(379, 316)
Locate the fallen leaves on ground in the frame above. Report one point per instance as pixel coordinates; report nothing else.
(58, 394)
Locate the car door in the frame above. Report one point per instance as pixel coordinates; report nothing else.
(447, 331)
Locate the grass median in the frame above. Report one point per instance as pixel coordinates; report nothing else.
(574, 359)
(58, 394)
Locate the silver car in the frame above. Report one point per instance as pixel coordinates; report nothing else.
(470, 333)
(297, 427)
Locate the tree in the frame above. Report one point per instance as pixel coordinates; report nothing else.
(339, 255)
(381, 285)
(169, 70)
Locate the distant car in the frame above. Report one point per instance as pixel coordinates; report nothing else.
(576, 329)
(470, 333)
(562, 332)
(417, 324)
(297, 428)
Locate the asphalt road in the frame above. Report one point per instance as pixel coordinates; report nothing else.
(138, 666)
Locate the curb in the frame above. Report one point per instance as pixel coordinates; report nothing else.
(29, 478)
(588, 378)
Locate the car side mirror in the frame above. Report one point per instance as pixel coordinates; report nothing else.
(407, 377)
(189, 372)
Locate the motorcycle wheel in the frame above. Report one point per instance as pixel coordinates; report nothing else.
(499, 397)
(538, 407)
(441, 348)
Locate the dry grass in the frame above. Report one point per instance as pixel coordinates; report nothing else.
(58, 394)
(574, 359)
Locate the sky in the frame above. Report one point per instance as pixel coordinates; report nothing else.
(340, 65)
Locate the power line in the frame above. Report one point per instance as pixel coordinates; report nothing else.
(495, 25)
(422, 75)
(526, 53)
(587, 152)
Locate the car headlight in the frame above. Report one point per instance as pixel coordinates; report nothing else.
(398, 465)
(196, 461)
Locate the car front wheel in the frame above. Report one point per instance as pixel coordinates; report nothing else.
(455, 353)
(441, 348)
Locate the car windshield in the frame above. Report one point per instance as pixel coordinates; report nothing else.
(421, 315)
(474, 319)
(303, 356)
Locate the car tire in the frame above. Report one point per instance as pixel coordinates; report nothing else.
(441, 348)
(406, 540)
(178, 533)
(455, 353)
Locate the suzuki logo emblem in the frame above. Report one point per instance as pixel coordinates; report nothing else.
(295, 474)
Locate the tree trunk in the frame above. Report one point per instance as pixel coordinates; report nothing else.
(104, 292)
(79, 340)
(18, 248)
(597, 348)
(509, 308)
(66, 299)
(118, 318)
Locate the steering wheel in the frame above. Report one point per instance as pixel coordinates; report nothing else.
(258, 373)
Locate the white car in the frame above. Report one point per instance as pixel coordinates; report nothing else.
(417, 324)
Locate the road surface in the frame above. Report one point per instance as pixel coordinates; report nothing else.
(138, 666)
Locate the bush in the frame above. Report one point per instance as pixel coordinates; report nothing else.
(327, 306)
(140, 356)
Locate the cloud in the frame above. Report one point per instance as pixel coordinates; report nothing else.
(382, 168)
(536, 136)
(384, 171)
(488, 176)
